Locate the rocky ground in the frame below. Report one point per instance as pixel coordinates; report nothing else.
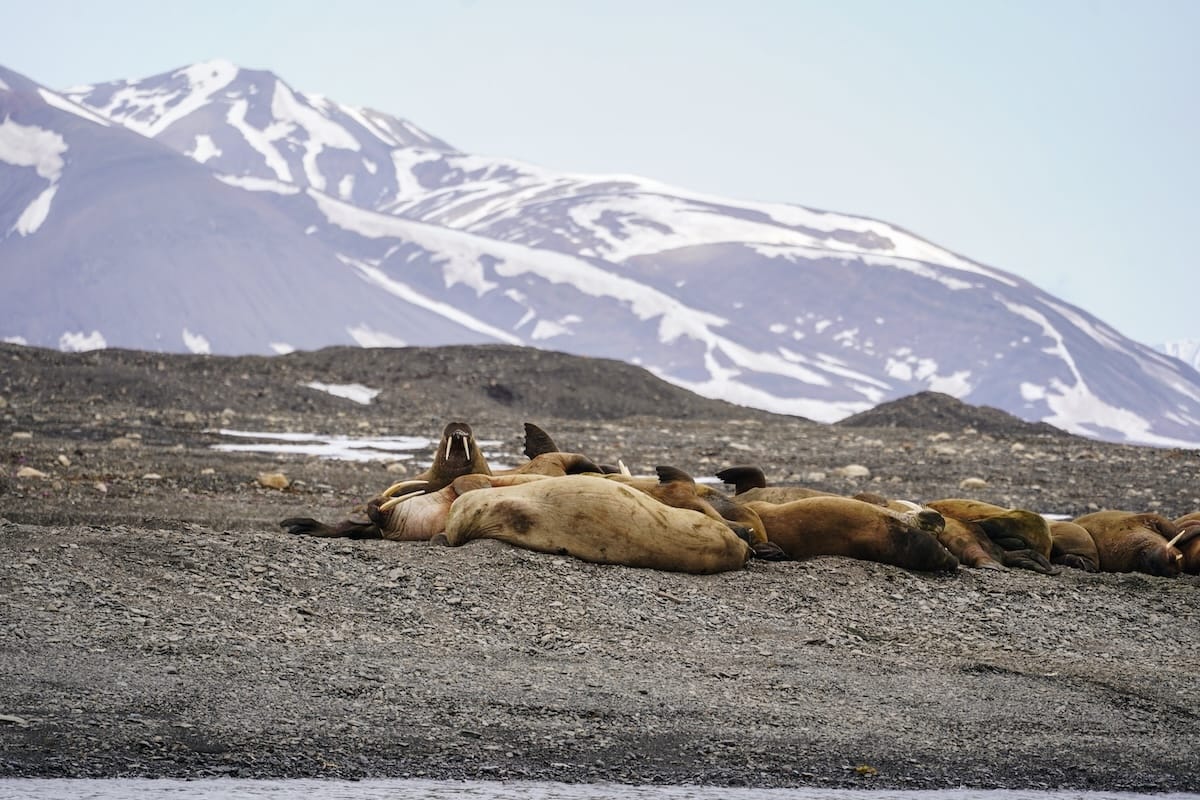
(154, 620)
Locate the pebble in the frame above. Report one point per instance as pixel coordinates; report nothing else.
(30, 472)
(273, 480)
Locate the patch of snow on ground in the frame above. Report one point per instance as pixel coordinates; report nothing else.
(21, 340)
(63, 104)
(253, 184)
(379, 278)
(734, 392)
(36, 212)
(81, 342)
(365, 336)
(31, 146)
(281, 348)
(196, 343)
(363, 395)
(205, 149)
(546, 329)
(346, 448)
(322, 131)
(262, 142)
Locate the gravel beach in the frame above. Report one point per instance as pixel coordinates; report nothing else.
(156, 621)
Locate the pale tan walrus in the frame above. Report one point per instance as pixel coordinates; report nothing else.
(596, 520)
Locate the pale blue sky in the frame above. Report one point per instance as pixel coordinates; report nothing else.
(1056, 139)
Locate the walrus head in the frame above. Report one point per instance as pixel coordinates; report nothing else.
(457, 454)
(1165, 561)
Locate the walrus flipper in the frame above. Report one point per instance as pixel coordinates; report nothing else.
(1077, 562)
(769, 551)
(538, 442)
(743, 478)
(667, 474)
(307, 526)
(1031, 560)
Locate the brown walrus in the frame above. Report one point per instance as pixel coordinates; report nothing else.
(1189, 541)
(1073, 546)
(843, 526)
(678, 489)
(970, 545)
(597, 520)
(1129, 542)
(1013, 537)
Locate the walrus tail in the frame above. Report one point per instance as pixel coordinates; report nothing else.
(743, 478)
(307, 526)
(537, 441)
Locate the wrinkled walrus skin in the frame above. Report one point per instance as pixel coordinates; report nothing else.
(597, 520)
(843, 526)
(1073, 546)
(1129, 542)
(1013, 536)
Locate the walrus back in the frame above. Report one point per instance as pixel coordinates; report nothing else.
(596, 520)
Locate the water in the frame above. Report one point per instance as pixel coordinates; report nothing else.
(388, 789)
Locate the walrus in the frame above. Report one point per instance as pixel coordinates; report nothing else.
(1073, 546)
(457, 454)
(1014, 537)
(1129, 542)
(843, 526)
(1189, 541)
(670, 485)
(678, 489)
(597, 520)
(970, 545)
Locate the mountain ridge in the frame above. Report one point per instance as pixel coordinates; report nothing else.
(411, 242)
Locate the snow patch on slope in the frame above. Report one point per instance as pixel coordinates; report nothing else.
(31, 146)
(151, 111)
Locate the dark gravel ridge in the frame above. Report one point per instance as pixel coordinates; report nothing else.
(155, 621)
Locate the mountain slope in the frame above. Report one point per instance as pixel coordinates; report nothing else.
(770, 305)
(110, 238)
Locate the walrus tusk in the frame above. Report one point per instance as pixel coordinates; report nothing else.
(624, 469)
(1179, 536)
(408, 485)
(395, 501)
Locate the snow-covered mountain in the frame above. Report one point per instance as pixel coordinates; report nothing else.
(218, 208)
(1187, 351)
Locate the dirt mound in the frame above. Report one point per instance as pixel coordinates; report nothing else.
(414, 383)
(941, 412)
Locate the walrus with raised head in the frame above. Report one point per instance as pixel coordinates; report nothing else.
(1013, 537)
(1129, 542)
(843, 526)
(457, 454)
(597, 520)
